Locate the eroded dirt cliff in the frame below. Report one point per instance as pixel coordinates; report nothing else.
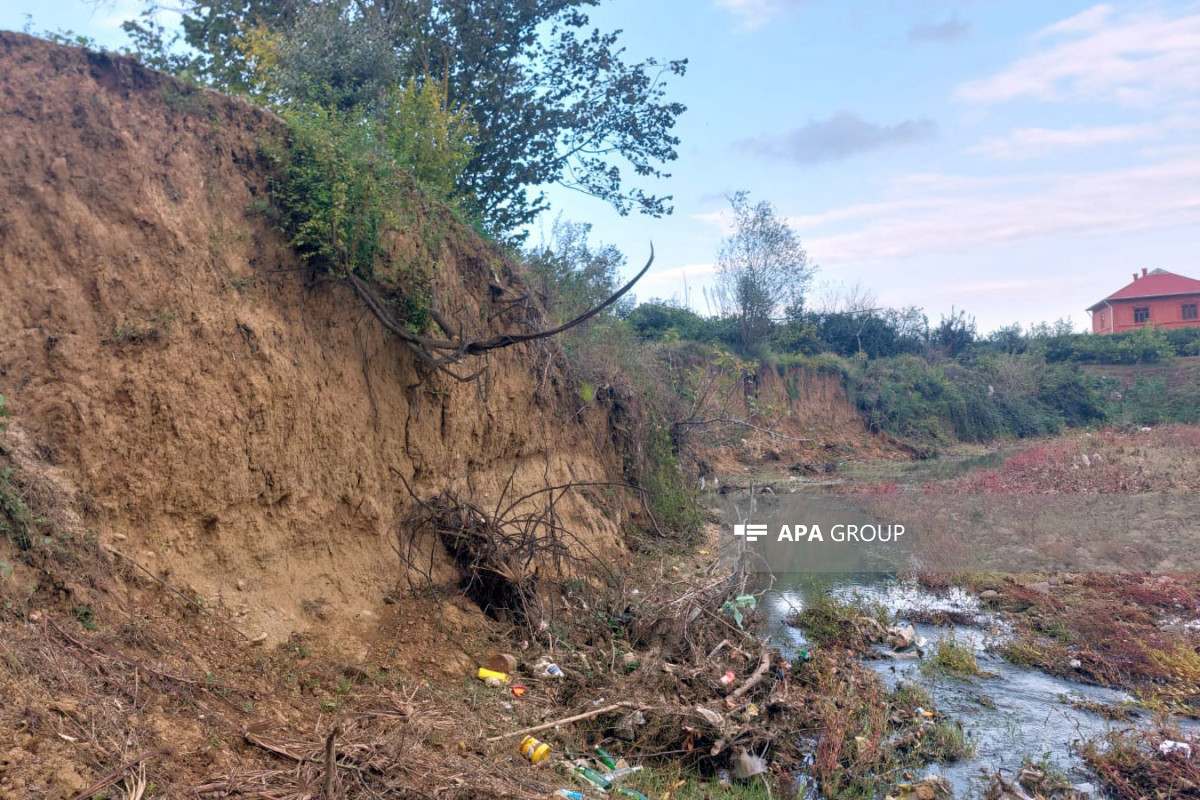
(216, 416)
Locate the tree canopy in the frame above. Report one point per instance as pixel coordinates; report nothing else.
(761, 269)
(552, 99)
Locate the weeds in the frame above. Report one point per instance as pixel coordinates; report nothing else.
(86, 617)
(953, 657)
(853, 624)
(151, 331)
(16, 520)
(1131, 764)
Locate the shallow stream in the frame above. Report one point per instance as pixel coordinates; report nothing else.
(1014, 715)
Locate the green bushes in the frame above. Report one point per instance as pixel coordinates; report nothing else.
(667, 491)
(347, 180)
(1145, 345)
(937, 403)
(16, 520)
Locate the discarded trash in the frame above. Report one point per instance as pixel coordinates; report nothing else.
(1166, 747)
(751, 712)
(599, 701)
(724, 778)
(518, 691)
(503, 662)
(634, 793)
(933, 787)
(920, 712)
(543, 626)
(493, 683)
(624, 728)
(711, 717)
(1075, 663)
(606, 758)
(734, 607)
(593, 777)
(570, 794)
(901, 637)
(554, 671)
(485, 673)
(746, 765)
(617, 774)
(727, 678)
(535, 750)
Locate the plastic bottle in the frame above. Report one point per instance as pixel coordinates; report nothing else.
(617, 774)
(570, 794)
(634, 793)
(535, 750)
(606, 758)
(590, 775)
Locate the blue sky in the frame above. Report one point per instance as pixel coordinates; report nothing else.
(1014, 159)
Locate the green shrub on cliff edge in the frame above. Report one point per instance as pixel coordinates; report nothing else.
(347, 180)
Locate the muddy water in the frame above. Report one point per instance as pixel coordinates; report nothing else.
(1013, 715)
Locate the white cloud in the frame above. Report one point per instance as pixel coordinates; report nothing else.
(1036, 142)
(1161, 195)
(1134, 58)
(756, 13)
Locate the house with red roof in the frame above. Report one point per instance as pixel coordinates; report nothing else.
(1161, 298)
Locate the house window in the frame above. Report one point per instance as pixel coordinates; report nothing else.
(1141, 315)
(1189, 311)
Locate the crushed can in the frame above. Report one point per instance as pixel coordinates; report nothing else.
(534, 750)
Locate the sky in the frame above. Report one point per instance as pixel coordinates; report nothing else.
(1014, 159)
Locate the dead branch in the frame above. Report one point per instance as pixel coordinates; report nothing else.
(175, 591)
(112, 777)
(330, 761)
(756, 678)
(272, 747)
(166, 676)
(442, 353)
(567, 720)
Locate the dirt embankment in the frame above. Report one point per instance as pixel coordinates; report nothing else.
(215, 416)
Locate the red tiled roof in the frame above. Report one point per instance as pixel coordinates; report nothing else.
(1158, 283)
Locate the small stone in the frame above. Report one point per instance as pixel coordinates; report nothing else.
(1040, 586)
(241, 585)
(119, 537)
(262, 637)
(989, 594)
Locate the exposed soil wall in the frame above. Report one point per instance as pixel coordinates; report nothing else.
(217, 417)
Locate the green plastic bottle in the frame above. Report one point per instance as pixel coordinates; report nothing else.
(593, 777)
(606, 758)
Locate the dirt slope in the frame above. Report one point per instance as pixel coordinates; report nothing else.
(217, 418)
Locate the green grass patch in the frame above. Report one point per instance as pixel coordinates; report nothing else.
(954, 657)
(854, 623)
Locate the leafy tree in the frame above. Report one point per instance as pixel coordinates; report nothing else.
(954, 334)
(1008, 339)
(570, 273)
(761, 269)
(552, 99)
